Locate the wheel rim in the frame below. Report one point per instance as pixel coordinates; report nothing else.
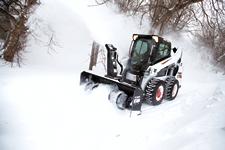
(174, 91)
(159, 93)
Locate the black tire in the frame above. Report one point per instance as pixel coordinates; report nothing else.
(155, 91)
(172, 88)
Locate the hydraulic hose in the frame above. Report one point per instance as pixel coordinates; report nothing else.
(121, 66)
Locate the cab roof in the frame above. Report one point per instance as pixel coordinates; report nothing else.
(157, 38)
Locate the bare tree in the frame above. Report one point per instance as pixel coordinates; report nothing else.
(212, 28)
(164, 15)
(15, 14)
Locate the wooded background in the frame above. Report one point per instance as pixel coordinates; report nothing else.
(204, 19)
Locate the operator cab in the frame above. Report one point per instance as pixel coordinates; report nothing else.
(147, 50)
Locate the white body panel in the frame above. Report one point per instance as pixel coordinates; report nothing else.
(153, 70)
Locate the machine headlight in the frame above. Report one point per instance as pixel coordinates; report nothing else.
(135, 36)
(156, 38)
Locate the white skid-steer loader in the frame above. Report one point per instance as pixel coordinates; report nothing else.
(153, 73)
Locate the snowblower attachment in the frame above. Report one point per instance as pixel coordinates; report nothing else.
(123, 95)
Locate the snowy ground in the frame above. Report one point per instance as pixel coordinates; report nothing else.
(42, 106)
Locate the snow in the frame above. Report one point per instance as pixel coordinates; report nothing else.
(42, 106)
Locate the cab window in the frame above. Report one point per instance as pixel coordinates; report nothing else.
(163, 51)
(141, 51)
(141, 47)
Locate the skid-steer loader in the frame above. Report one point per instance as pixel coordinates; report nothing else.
(153, 73)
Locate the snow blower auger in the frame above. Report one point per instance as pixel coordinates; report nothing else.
(153, 73)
